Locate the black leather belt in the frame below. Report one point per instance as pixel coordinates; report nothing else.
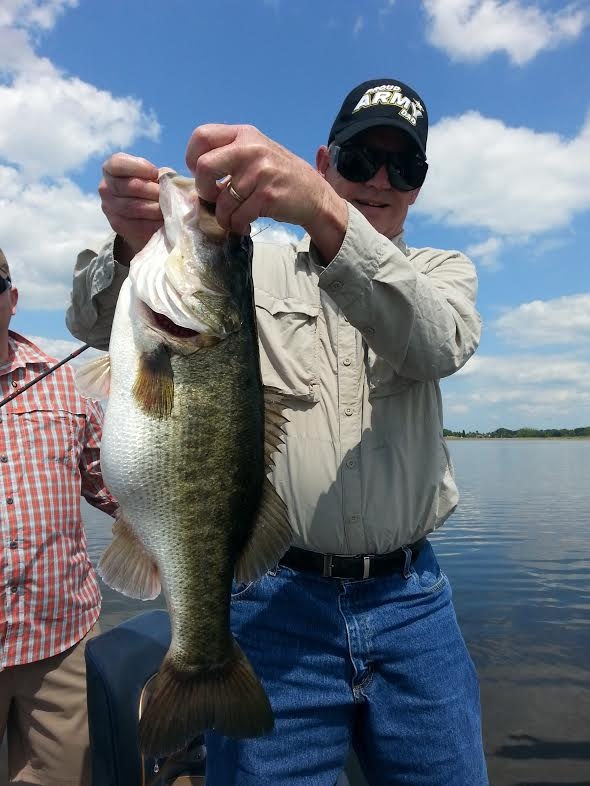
(360, 566)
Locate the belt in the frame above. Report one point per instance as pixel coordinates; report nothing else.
(359, 566)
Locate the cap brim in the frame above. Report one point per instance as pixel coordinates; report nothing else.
(353, 129)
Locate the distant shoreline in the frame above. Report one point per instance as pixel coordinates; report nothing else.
(515, 439)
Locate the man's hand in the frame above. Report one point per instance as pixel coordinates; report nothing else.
(267, 180)
(129, 192)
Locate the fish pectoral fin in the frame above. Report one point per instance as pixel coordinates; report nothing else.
(274, 424)
(153, 389)
(269, 539)
(127, 567)
(184, 703)
(93, 379)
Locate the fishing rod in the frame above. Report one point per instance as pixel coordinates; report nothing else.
(16, 393)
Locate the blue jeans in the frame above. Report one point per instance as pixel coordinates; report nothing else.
(379, 664)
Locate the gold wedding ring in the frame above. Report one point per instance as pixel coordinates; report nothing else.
(234, 193)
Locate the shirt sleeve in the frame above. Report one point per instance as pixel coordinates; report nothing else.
(93, 487)
(417, 312)
(97, 281)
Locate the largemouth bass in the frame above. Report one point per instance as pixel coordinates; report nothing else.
(185, 450)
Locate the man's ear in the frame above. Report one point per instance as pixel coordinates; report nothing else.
(414, 196)
(322, 160)
(13, 299)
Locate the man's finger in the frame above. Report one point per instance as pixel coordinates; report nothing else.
(125, 165)
(133, 187)
(126, 207)
(208, 137)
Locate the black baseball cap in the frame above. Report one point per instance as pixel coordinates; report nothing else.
(381, 102)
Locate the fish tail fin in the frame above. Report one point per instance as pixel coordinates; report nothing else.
(229, 699)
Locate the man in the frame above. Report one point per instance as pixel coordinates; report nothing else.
(50, 601)
(356, 329)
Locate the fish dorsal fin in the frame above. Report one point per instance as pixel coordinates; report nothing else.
(274, 422)
(269, 539)
(93, 379)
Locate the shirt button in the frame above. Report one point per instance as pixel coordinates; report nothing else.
(4, 459)
(346, 362)
(9, 500)
(13, 544)
(14, 589)
(355, 518)
(348, 411)
(351, 463)
(335, 286)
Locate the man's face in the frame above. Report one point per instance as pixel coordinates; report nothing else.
(383, 206)
(8, 301)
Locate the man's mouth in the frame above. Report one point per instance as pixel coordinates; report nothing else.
(371, 203)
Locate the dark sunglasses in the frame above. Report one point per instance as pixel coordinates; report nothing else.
(358, 163)
(5, 283)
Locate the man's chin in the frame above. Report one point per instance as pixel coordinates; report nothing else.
(379, 217)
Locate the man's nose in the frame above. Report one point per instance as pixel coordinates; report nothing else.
(380, 179)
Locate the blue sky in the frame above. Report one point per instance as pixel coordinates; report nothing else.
(507, 86)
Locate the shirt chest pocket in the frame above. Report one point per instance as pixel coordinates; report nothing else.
(288, 340)
(54, 435)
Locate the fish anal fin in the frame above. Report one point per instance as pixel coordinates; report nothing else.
(127, 567)
(153, 389)
(184, 703)
(93, 379)
(269, 539)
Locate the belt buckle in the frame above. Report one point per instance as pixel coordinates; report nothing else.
(327, 572)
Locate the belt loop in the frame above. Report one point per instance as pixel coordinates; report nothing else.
(366, 567)
(327, 572)
(408, 562)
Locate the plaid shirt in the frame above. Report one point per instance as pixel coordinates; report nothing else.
(49, 455)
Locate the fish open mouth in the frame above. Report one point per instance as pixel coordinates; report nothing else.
(171, 327)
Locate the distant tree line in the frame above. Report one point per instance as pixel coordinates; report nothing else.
(506, 433)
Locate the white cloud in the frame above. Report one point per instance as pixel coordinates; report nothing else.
(519, 390)
(561, 321)
(53, 123)
(486, 254)
(60, 348)
(267, 231)
(359, 23)
(470, 30)
(33, 13)
(43, 227)
(513, 182)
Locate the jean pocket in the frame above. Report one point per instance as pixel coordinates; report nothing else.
(426, 572)
(240, 589)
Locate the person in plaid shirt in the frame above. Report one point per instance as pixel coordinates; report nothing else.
(49, 594)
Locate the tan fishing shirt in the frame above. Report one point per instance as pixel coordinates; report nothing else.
(358, 348)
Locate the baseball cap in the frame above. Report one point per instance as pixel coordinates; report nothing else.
(381, 102)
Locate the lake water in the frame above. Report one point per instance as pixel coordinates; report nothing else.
(517, 552)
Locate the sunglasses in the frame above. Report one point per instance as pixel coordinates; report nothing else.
(5, 283)
(358, 163)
